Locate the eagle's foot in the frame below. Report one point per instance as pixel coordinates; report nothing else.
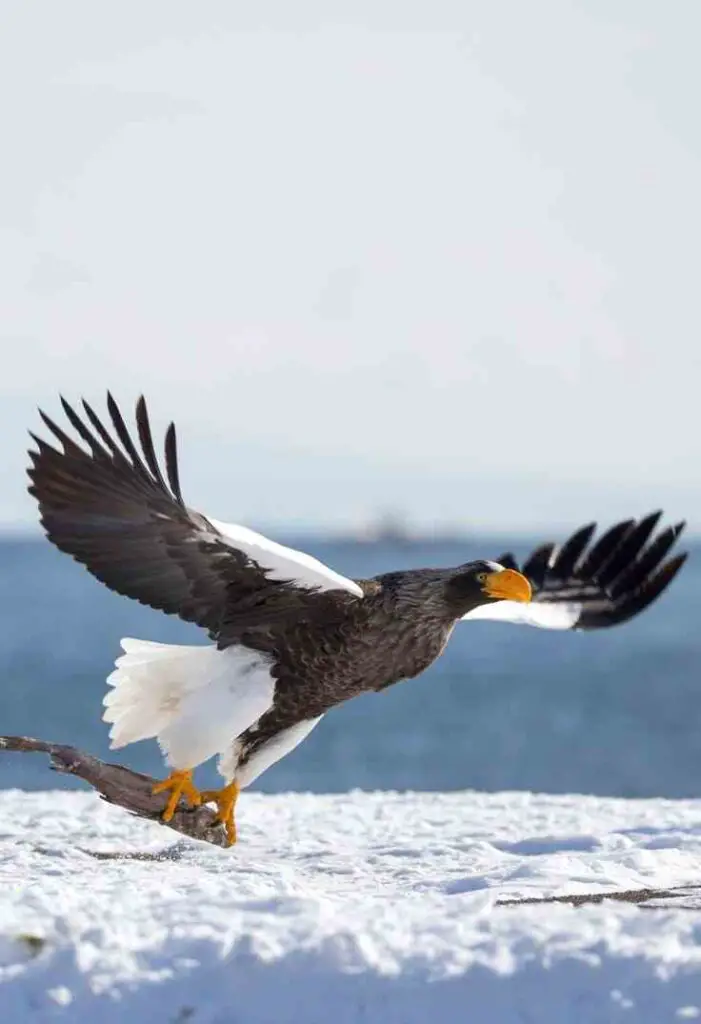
(179, 784)
(225, 799)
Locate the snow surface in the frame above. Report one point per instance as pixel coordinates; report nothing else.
(345, 909)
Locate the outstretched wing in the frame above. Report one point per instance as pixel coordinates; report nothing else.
(111, 509)
(588, 586)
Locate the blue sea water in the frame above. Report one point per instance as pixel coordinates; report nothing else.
(616, 712)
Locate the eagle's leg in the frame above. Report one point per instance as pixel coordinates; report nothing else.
(225, 799)
(180, 784)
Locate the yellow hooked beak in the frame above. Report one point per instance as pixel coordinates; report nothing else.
(507, 585)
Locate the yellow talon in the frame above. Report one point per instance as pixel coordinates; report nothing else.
(179, 784)
(225, 799)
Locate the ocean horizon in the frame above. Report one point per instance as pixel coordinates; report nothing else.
(616, 712)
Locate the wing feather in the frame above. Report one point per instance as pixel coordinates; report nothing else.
(579, 586)
(112, 509)
(572, 550)
(537, 564)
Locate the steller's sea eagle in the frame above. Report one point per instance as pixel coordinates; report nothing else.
(291, 637)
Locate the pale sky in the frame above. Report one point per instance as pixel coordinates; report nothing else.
(438, 257)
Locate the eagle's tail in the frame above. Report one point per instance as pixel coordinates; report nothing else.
(194, 700)
(148, 685)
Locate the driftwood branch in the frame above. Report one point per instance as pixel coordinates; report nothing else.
(124, 788)
(687, 897)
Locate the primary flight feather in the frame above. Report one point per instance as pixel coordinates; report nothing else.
(291, 637)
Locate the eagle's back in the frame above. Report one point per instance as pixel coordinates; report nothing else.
(349, 647)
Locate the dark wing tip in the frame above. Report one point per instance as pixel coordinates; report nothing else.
(103, 447)
(672, 567)
(507, 560)
(567, 559)
(631, 604)
(35, 453)
(612, 578)
(171, 453)
(536, 565)
(146, 438)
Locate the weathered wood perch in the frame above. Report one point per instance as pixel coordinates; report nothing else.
(687, 897)
(123, 787)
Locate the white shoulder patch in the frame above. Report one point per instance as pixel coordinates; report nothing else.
(284, 563)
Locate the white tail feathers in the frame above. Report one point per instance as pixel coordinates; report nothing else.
(194, 700)
(149, 683)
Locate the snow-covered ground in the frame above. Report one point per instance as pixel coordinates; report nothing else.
(342, 909)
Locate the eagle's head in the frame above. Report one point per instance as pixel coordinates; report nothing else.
(446, 595)
(477, 583)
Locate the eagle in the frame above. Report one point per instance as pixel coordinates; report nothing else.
(289, 637)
